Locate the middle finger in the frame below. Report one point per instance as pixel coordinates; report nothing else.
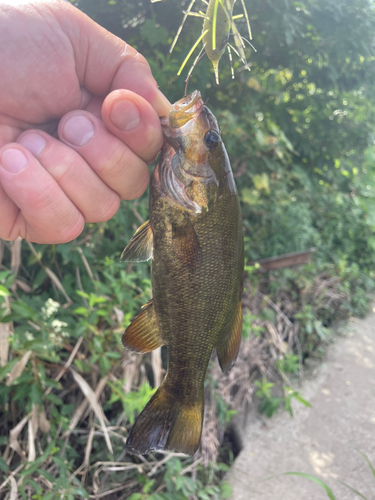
(93, 198)
(110, 158)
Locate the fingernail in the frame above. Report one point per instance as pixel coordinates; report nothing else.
(161, 104)
(78, 130)
(13, 160)
(125, 115)
(35, 143)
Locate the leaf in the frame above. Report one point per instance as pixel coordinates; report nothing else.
(226, 490)
(254, 84)
(203, 495)
(250, 196)
(55, 280)
(105, 364)
(34, 484)
(81, 310)
(368, 462)
(18, 368)
(262, 182)
(353, 490)
(299, 398)
(24, 310)
(48, 496)
(3, 465)
(46, 475)
(4, 292)
(113, 355)
(316, 480)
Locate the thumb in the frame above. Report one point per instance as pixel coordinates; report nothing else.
(104, 62)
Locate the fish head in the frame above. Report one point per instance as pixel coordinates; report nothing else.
(198, 160)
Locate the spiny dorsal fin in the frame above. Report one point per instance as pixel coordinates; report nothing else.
(143, 334)
(139, 248)
(227, 349)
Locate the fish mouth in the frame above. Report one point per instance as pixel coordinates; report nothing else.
(181, 120)
(180, 132)
(183, 111)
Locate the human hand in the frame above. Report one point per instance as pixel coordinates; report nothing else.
(79, 121)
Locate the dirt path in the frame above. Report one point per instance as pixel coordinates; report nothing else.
(322, 440)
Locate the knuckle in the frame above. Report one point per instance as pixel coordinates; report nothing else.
(42, 199)
(111, 169)
(106, 210)
(150, 148)
(137, 57)
(65, 171)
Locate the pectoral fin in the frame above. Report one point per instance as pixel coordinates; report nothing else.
(140, 246)
(185, 244)
(143, 334)
(227, 349)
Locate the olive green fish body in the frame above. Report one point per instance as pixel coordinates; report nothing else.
(195, 300)
(197, 267)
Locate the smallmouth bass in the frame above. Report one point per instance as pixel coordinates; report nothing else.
(194, 237)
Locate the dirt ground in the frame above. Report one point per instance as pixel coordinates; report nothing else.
(321, 440)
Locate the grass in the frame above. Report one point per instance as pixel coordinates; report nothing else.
(328, 490)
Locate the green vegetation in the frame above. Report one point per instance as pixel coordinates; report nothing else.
(300, 132)
(328, 490)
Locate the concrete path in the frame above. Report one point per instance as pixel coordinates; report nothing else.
(321, 440)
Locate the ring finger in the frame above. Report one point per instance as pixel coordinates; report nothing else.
(93, 198)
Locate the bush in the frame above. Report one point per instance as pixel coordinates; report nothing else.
(299, 132)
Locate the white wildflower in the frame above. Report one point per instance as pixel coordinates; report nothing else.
(53, 337)
(58, 325)
(49, 308)
(29, 336)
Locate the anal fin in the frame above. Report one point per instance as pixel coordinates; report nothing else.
(143, 334)
(140, 246)
(227, 349)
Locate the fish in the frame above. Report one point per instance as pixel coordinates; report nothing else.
(194, 238)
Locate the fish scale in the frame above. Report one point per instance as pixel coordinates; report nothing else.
(194, 237)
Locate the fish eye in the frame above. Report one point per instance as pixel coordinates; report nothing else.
(212, 139)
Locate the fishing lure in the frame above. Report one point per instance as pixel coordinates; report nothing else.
(218, 25)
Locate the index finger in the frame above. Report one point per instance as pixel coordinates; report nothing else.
(105, 63)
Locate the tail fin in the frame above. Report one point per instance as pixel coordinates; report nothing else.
(166, 424)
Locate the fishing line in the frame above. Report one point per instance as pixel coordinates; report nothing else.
(200, 57)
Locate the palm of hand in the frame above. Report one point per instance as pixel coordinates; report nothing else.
(59, 110)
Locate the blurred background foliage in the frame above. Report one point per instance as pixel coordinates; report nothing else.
(300, 133)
